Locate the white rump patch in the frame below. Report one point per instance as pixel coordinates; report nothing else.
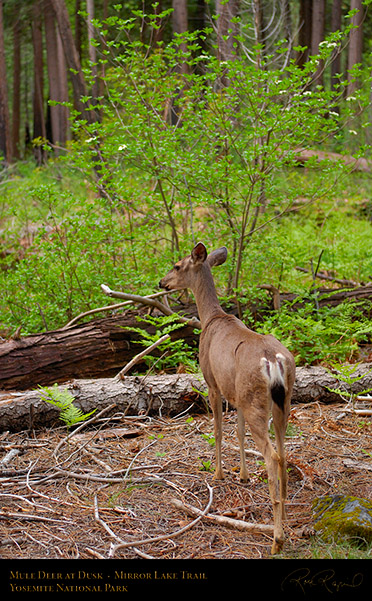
(274, 372)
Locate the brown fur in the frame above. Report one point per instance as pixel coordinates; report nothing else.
(245, 368)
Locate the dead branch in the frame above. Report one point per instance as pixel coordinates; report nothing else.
(9, 456)
(140, 355)
(7, 515)
(85, 424)
(102, 523)
(324, 276)
(223, 520)
(108, 308)
(156, 539)
(358, 465)
(165, 394)
(152, 302)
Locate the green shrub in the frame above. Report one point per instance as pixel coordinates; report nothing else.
(323, 334)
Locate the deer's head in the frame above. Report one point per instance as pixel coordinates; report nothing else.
(184, 272)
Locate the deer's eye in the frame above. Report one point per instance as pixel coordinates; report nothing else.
(177, 267)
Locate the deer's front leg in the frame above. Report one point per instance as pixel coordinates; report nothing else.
(216, 405)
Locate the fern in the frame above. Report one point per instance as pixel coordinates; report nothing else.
(63, 399)
(174, 352)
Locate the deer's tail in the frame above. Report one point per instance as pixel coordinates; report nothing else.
(275, 372)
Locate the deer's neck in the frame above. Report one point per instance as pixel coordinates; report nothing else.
(206, 296)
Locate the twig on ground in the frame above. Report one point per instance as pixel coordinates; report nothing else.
(9, 456)
(7, 515)
(102, 523)
(156, 539)
(83, 425)
(250, 527)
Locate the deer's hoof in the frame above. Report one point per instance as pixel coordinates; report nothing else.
(277, 546)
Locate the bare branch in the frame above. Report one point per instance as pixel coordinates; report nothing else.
(138, 357)
(152, 302)
(169, 535)
(107, 308)
(225, 521)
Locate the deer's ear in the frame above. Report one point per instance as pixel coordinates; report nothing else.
(199, 253)
(218, 256)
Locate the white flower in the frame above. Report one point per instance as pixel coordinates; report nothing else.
(352, 131)
(328, 44)
(122, 147)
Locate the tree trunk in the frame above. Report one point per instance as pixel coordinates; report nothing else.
(227, 29)
(165, 395)
(5, 141)
(39, 132)
(180, 24)
(355, 43)
(326, 297)
(287, 27)
(92, 48)
(78, 28)
(102, 347)
(336, 59)
(318, 20)
(57, 79)
(72, 60)
(16, 112)
(259, 23)
(304, 31)
(356, 164)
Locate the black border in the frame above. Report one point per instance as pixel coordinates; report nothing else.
(287, 579)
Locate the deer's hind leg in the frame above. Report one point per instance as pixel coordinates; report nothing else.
(257, 416)
(215, 401)
(280, 420)
(241, 438)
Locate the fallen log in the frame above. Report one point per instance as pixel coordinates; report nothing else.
(303, 156)
(102, 347)
(165, 395)
(134, 395)
(96, 349)
(325, 297)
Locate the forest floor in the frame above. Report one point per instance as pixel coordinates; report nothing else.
(108, 489)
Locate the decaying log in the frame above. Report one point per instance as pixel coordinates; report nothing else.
(359, 164)
(324, 296)
(165, 395)
(102, 347)
(134, 395)
(97, 349)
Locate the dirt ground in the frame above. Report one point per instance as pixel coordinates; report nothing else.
(108, 491)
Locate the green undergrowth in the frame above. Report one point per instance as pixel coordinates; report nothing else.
(318, 549)
(59, 241)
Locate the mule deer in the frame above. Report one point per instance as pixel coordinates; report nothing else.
(254, 372)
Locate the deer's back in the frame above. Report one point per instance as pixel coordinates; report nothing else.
(230, 357)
